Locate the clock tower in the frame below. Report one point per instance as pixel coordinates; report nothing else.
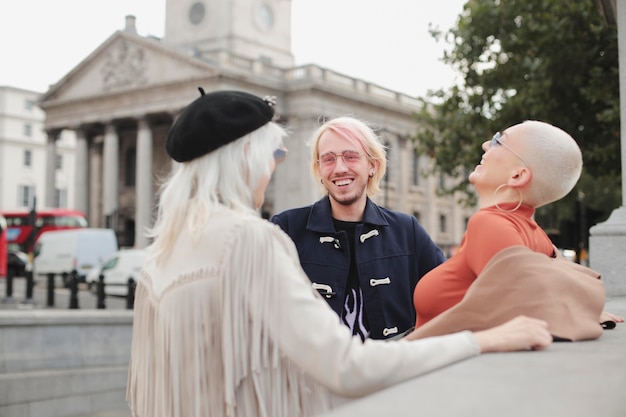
(255, 29)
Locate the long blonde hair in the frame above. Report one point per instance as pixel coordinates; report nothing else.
(226, 177)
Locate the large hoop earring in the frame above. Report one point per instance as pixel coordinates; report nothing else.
(519, 204)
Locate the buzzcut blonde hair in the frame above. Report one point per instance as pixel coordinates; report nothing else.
(555, 161)
(362, 136)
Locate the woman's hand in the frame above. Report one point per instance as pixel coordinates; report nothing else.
(520, 333)
(606, 316)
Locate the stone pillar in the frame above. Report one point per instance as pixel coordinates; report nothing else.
(293, 184)
(111, 176)
(607, 241)
(403, 175)
(431, 218)
(51, 159)
(96, 183)
(143, 188)
(81, 175)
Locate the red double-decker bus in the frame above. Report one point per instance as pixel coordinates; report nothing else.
(20, 226)
(4, 252)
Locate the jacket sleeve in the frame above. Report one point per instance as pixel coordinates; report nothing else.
(309, 334)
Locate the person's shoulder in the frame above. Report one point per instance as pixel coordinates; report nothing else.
(255, 229)
(488, 218)
(397, 216)
(265, 234)
(294, 212)
(258, 225)
(293, 216)
(255, 223)
(481, 216)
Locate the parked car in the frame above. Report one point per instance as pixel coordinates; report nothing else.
(60, 252)
(117, 269)
(569, 254)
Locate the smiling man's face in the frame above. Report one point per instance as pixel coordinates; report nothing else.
(346, 178)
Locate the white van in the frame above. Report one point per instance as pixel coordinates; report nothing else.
(61, 251)
(116, 270)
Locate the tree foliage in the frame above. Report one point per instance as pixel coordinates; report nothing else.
(549, 60)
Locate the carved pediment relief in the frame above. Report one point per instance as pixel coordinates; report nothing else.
(127, 62)
(124, 66)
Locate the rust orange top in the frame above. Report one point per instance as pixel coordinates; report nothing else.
(489, 230)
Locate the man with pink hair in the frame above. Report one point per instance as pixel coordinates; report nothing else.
(364, 259)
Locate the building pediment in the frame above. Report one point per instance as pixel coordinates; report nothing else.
(123, 63)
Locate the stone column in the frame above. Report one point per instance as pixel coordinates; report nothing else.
(403, 185)
(111, 176)
(607, 241)
(81, 175)
(293, 184)
(143, 186)
(51, 159)
(96, 182)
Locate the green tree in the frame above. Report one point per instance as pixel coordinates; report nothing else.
(549, 60)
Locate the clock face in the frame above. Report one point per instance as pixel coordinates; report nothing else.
(197, 12)
(263, 16)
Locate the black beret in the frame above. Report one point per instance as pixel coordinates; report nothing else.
(216, 119)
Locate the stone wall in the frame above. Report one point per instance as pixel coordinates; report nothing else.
(63, 363)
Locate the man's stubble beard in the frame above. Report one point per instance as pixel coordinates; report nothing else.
(348, 200)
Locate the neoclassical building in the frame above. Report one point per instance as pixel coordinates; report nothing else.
(24, 156)
(121, 100)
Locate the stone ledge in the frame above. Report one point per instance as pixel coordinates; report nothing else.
(580, 379)
(62, 393)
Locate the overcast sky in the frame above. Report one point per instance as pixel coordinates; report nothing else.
(384, 42)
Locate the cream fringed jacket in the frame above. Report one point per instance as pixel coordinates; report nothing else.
(228, 325)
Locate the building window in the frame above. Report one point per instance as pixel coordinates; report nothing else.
(60, 198)
(28, 158)
(443, 227)
(416, 168)
(29, 104)
(130, 167)
(25, 195)
(28, 130)
(442, 182)
(59, 162)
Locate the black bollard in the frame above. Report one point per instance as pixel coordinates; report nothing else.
(74, 290)
(50, 302)
(9, 287)
(100, 292)
(30, 283)
(130, 297)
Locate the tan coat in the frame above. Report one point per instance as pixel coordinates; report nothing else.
(228, 325)
(570, 297)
